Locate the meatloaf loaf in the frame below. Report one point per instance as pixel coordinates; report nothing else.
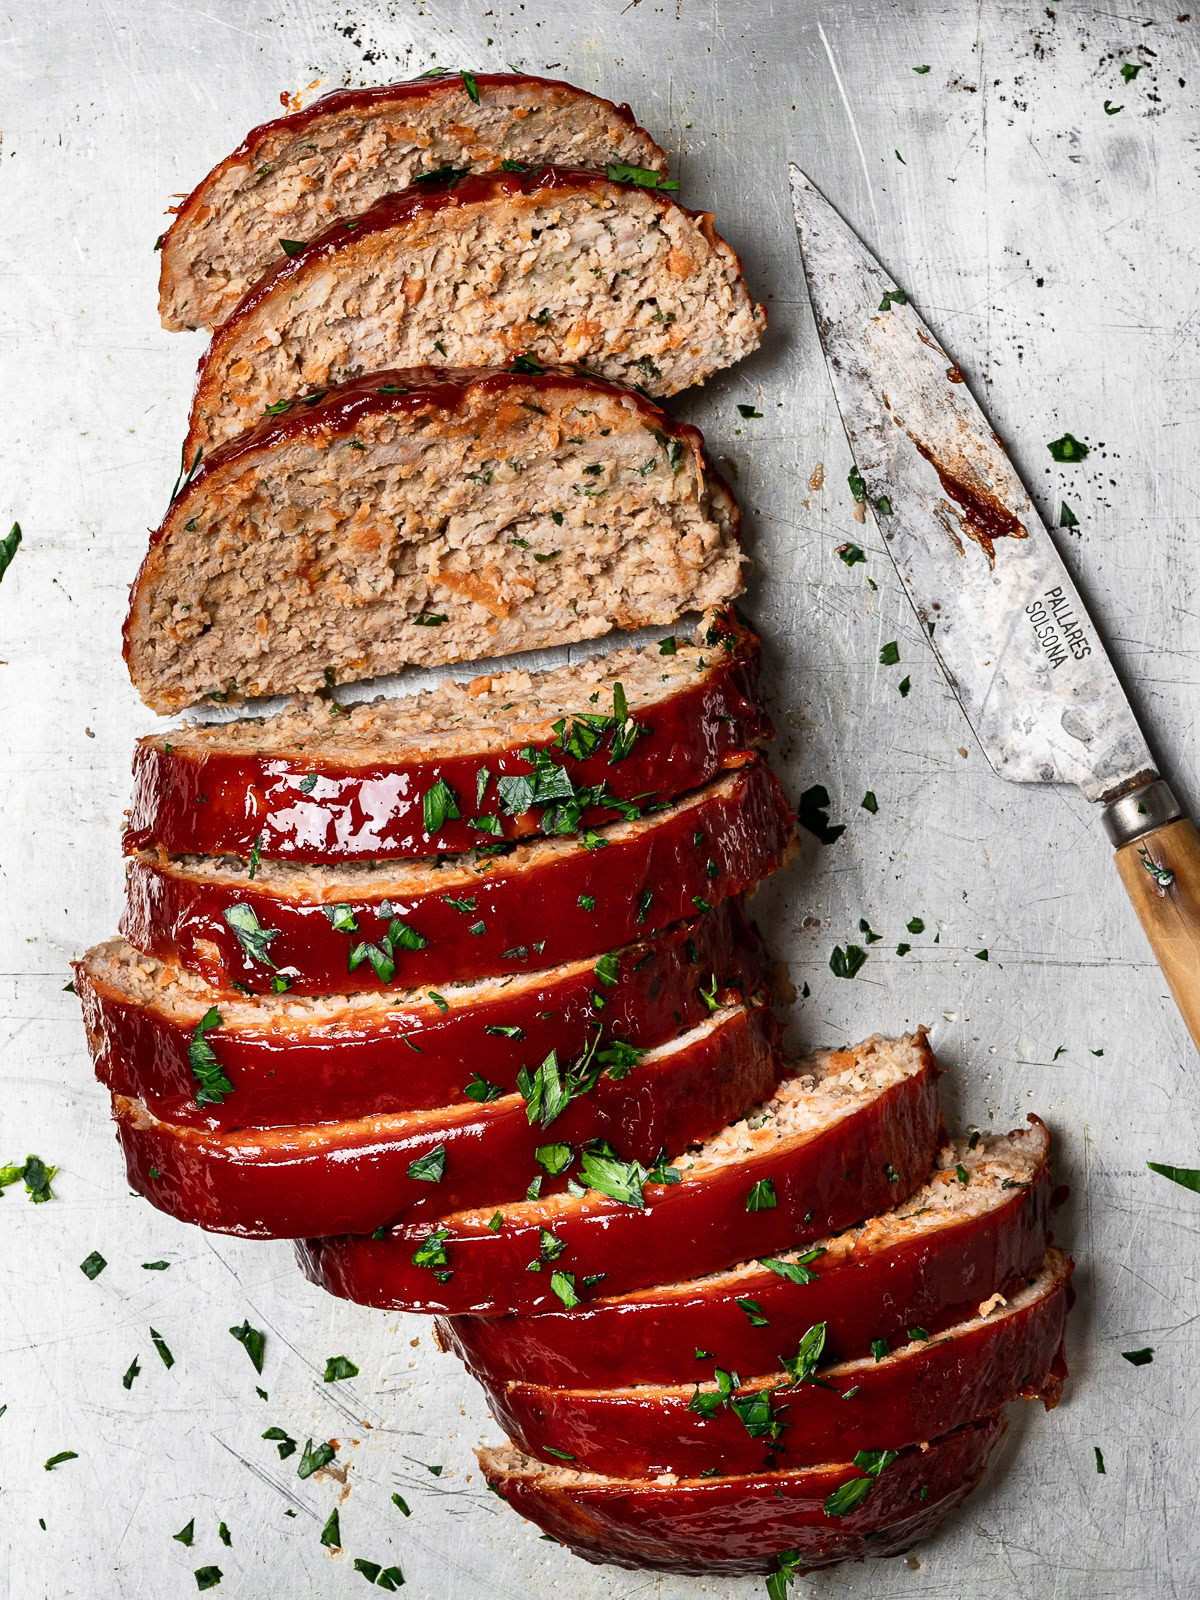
(424, 517)
(782, 1522)
(163, 1036)
(351, 1176)
(940, 1256)
(406, 776)
(846, 1135)
(275, 926)
(290, 178)
(559, 264)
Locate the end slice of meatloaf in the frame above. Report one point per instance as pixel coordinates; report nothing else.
(406, 776)
(422, 518)
(289, 178)
(813, 1411)
(163, 1036)
(786, 1522)
(939, 1257)
(282, 1183)
(846, 1135)
(558, 264)
(283, 926)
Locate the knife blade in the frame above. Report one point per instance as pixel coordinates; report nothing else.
(1002, 615)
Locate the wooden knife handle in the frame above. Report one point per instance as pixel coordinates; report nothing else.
(1160, 869)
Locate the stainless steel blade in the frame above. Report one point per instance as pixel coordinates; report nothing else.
(1004, 618)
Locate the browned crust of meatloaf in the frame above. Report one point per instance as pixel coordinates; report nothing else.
(339, 154)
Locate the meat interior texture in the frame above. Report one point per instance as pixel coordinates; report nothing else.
(290, 178)
(612, 277)
(497, 710)
(428, 540)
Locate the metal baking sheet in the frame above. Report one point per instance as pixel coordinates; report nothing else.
(1050, 239)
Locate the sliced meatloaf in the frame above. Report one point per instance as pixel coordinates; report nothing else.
(404, 776)
(290, 178)
(812, 1411)
(559, 264)
(848, 1134)
(281, 1183)
(939, 1257)
(763, 1522)
(416, 517)
(275, 926)
(162, 1036)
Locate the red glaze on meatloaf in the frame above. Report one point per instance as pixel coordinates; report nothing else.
(734, 1526)
(330, 1059)
(282, 1183)
(931, 1262)
(850, 1136)
(313, 932)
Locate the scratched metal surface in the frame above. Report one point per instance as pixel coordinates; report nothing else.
(1052, 246)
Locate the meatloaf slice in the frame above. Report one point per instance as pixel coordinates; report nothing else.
(935, 1259)
(557, 263)
(276, 926)
(159, 1034)
(282, 1183)
(768, 1521)
(417, 517)
(848, 1134)
(812, 1412)
(289, 178)
(324, 782)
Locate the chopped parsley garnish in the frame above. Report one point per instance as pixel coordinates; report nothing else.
(1068, 448)
(331, 1533)
(430, 619)
(214, 1085)
(563, 1285)
(869, 934)
(160, 1344)
(762, 1196)
(155, 1266)
(131, 1374)
(848, 962)
(794, 1271)
(1066, 517)
(850, 553)
(8, 547)
(857, 487)
(915, 925)
(643, 177)
(93, 1265)
(63, 1455)
(285, 1443)
(803, 1364)
(813, 814)
(337, 1367)
(889, 656)
(1099, 1458)
(854, 1492)
(313, 1460)
(36, 1175)
(186, 1534)
(401, 1505)
(253, 1341)
(749, 411)
(869, 802)
(440, 805)
(1188, 1177)
(619, 1180)
(892, 297)
(429, 1168)
(244, 924)
(431, 1252)
(208, 1577)
(981, 955)
(292, 247)
(469, 84)
(1138, 1358)
(481, 1091)
(341, 918)
(754, 1311)
(447, 174)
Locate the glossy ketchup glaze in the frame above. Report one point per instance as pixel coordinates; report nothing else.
(287, 1182)
(290, 1064)
(861, 1163)
(470, 918)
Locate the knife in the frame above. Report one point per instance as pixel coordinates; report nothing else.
(1004, 620)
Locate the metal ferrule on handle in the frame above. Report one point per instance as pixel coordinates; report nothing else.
(1140, 812)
